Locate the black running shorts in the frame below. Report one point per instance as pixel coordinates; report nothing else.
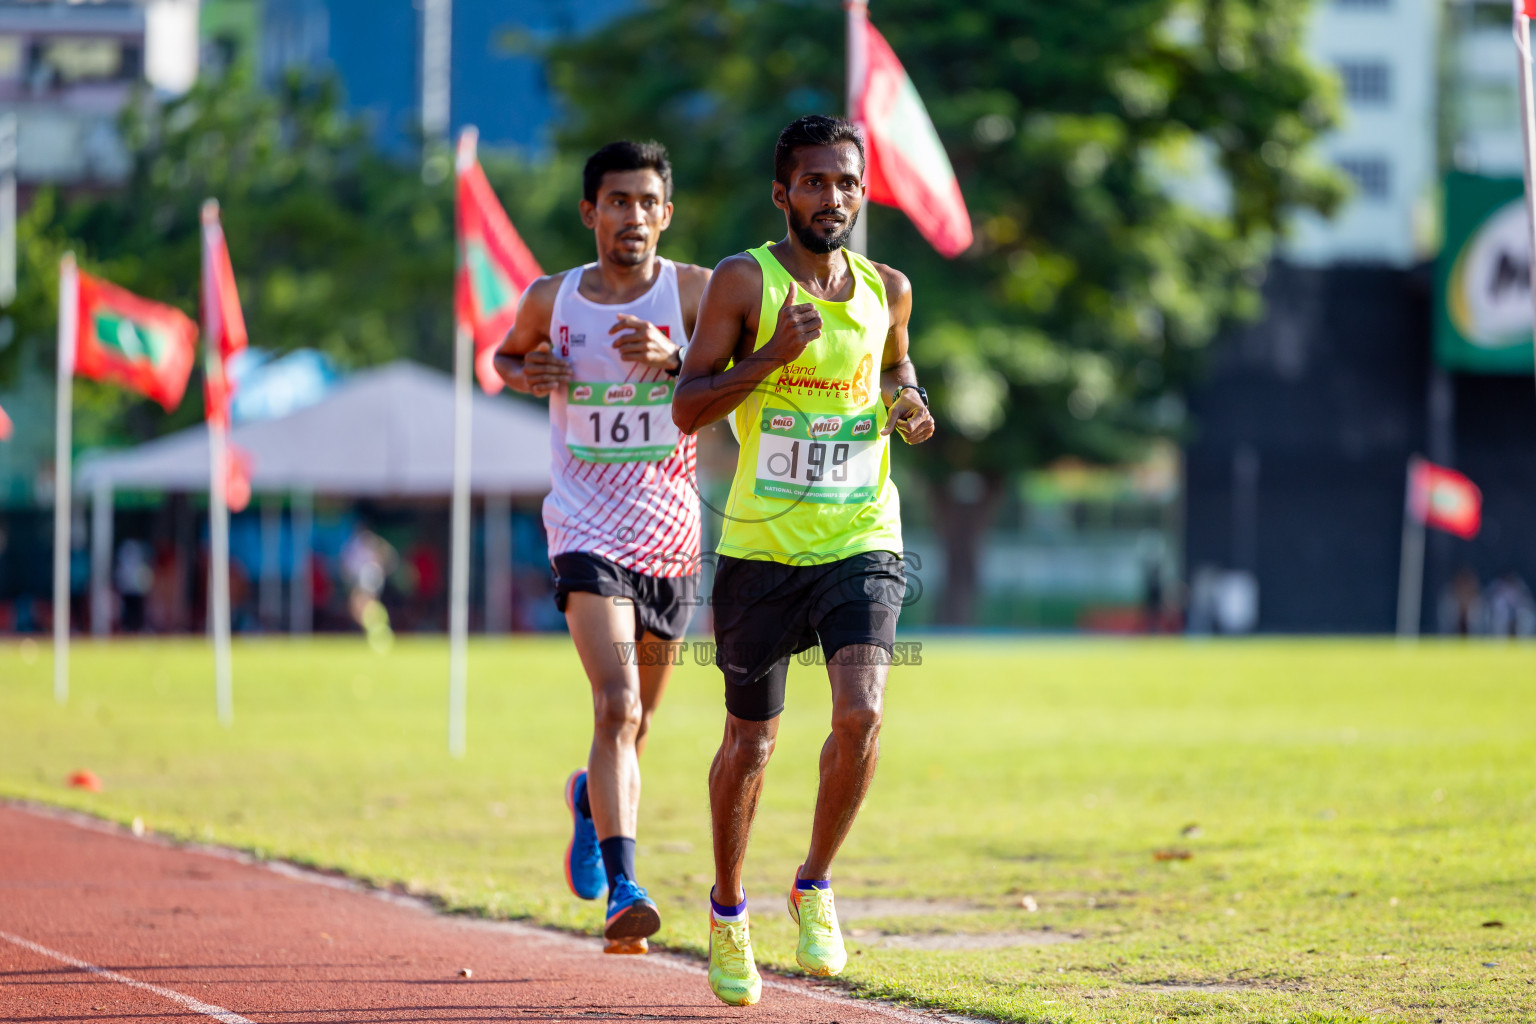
(766, 612)
(663, 604)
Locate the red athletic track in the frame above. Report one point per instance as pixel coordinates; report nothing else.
(281, 946)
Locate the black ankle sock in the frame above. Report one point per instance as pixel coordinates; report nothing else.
(618, 858)
(583, 804)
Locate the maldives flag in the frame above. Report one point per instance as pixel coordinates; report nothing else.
(223, 320)
(144, 346)
(494, 266)
(1444, 499)
(905, 163)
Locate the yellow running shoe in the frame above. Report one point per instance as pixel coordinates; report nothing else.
(820, 950)
(733, 974)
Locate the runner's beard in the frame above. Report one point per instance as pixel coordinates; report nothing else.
(627, 258)
(811, 237)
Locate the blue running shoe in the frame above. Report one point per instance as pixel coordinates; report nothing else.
(631, 914)
(583, 859)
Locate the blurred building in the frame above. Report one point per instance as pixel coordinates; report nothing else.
(68, 68)
(1481, 113)
(1384, 54)
(498, 81)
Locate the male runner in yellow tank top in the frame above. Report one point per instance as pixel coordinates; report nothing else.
(809, 552)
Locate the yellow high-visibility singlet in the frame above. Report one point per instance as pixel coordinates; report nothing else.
(813, 477)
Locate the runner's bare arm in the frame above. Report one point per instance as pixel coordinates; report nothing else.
(640, 341)
(526, 360)
(907, 415)
(691, 281)
(720, 368)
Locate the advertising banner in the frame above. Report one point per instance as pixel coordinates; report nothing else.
(1482, 278)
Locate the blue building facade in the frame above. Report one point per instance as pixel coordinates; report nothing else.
(374, 47)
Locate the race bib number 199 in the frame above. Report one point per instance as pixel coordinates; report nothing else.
(629, 422)
(827, 459)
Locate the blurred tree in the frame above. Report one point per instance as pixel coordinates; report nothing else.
(1128, 165)
(334, 246)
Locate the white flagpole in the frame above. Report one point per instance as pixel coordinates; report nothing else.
(458, 598)
(218, 501)
(69, 311)
(858, 13)
(1527, 129)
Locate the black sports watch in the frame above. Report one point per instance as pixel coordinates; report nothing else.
(922, 392)
(671, 372)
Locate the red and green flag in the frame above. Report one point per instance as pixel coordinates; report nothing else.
(141, 345)
(224, 327)
(905, 163)
(223, 320)
(1444, 499)
(494, 266)
(5, 426)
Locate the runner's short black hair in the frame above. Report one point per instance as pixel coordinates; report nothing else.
(625, 156)
(812, 130)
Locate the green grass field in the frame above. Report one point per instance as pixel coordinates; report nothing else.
(1357, 815)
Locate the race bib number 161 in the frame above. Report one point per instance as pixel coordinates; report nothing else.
(628, 422)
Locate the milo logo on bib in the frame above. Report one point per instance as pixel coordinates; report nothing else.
(826, 426)
(783, 421)
(862, 427)
(618, 393)
(581, 392)
(658, 392)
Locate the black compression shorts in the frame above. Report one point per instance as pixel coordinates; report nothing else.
(663, 604)
(766, 612)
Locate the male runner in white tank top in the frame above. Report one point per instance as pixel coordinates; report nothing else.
(604, 342)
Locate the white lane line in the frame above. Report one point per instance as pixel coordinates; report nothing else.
(195, 1005)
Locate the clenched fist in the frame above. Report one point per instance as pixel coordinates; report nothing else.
(643, 342)
(544, 371)
(798, 326)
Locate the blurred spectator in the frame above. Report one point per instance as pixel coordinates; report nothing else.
(366, 562)
(427, 568)
(1461, 611)
(1511, 609)
(242, 604)
(1223, 601)
(134, 578)
(1152, 600)
(164, 592)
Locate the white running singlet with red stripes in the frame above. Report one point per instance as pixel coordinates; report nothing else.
(618, 491)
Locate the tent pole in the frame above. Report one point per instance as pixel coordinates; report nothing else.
(498, 563)
(69, 309)
(301, 585)
(101, 557)
(458, 608)
(270, 592)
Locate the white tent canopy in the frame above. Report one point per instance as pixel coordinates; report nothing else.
(383, 432)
